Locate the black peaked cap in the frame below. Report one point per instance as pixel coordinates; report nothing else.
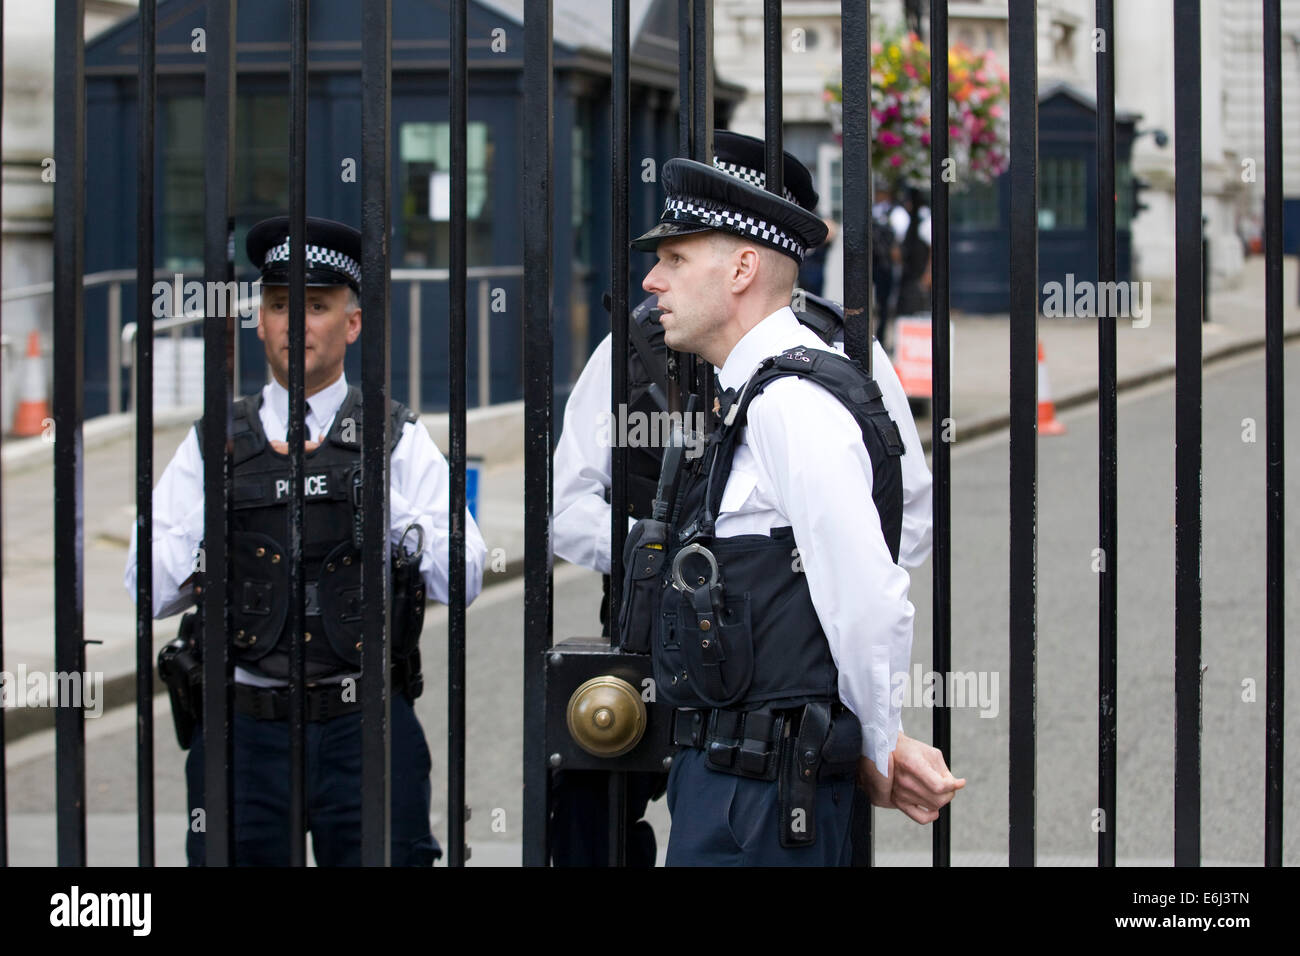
(745, 158)
(701, 198)
(333, 252)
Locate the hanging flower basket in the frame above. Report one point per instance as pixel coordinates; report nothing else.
(900, 113)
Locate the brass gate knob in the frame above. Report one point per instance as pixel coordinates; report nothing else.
(606, 716)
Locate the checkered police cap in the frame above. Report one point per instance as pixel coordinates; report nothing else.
(702, 198)
(745, 158)
(332, 251)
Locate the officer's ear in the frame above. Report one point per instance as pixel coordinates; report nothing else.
(354, 325)
(745, 267)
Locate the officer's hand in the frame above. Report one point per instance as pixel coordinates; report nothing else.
(283, 446)
(922, 781)
(878, 788)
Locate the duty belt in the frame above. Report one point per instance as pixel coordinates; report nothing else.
(744, 743)
(324, 701)
(775, 745)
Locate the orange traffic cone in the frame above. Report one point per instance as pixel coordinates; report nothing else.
(1048, 424)
(33, 402)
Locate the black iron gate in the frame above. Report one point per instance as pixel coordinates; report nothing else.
(696, 125)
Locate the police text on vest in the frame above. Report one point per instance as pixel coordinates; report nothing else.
(315, 486)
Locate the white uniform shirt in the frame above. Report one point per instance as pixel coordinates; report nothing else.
(583, 467)
(419, 493)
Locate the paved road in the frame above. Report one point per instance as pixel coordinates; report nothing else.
(1233, 652)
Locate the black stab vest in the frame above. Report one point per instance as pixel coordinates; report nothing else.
(760, 642)
(331, 556)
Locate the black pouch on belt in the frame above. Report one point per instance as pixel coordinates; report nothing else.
(797, 783)
(643, 560)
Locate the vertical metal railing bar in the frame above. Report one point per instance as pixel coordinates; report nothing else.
(941, 405)
(484, 355)
(69, 557)
(1023, 45)
(1187, 433)
(144, 774)
(855, 60)
(701, 42)
(1275, 637)
(772, 94)
(4, 786)
(413, 330)
(856, 174)
(680, 379)
(685, 88)
(298, 15)
(1108, 447)
(619, 229)
(538, 149)
(699, 375)
(619, 282)
(456, 357)
(376, 679)
(218, 342)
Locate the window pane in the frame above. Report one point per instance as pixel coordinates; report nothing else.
(975, 207)
(1062, 193)
(425, 183)
(181, 248)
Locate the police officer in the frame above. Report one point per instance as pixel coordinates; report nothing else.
(332, 564)
(583, 482)
(780, 669)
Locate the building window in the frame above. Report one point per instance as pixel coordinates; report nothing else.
(425, 181)
(181, 243)
(976, 207)
(260, 181)
(1062, 193)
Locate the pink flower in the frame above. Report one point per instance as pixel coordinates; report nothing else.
(896, 160)
(925, 139)
(888, 138)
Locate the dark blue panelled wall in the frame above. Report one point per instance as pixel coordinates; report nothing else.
(420, 83)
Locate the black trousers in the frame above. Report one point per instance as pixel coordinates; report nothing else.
(580, 818)
(261, 778)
